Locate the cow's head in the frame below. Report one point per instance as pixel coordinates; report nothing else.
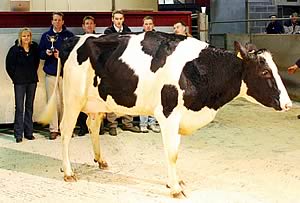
(261, 81)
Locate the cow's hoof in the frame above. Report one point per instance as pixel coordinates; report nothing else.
(71, 178)
(179, 195)
(102, 164)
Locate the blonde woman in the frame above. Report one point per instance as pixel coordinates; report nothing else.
(22, 62)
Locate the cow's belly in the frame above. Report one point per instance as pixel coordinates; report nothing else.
(192, 121)
(95, 104)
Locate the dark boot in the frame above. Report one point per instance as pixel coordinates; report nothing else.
(53, 135)
(113, 131)
(102, 130)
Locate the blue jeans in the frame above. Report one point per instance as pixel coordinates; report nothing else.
(147, 120)
(23, 119)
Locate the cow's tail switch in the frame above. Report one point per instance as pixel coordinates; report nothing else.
(47, 114)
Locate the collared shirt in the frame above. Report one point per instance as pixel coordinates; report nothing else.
(57, 31)
(118, 29)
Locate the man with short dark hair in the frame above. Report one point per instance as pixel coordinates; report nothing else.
(118, 25)
(274, 27)
(148, 122)
(88, 26)
(180, 29)
(148, 23)
(49, 46)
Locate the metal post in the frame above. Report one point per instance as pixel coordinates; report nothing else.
(247, 17)
(203, 27)
(113, 5)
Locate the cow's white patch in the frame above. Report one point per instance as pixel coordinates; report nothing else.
(243, 93)
(285, 101)
(186, 51)
(193, 120)
(134, 56)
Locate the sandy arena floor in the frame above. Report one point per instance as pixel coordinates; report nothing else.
(248, 154)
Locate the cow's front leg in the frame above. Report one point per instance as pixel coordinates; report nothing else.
(171, 140)
(93, 123)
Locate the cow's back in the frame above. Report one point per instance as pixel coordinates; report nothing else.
(135, 68)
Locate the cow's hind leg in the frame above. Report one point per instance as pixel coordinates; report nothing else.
(66, 127)
(93, 123)
(171, 140)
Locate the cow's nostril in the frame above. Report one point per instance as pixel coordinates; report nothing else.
(287, 106)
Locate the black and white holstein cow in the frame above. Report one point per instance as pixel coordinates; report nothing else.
(182, 81)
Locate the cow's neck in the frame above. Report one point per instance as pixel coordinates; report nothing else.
(211, 80)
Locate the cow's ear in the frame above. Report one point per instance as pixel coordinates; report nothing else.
(240, 51)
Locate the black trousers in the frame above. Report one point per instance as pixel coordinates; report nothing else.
(81, 121)
(24, 97)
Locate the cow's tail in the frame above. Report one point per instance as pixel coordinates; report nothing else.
(48, 113)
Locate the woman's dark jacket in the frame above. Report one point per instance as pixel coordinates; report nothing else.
(22, 66)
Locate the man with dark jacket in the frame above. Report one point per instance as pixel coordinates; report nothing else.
(49, 46)
(274, 27)
(88, 26)
(118, 25)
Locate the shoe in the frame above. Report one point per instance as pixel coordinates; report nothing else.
(134, 129)
(82, 132)
(113, 131)
(53, 135)
(298, 116)
(154, 128)
(19, 139)
(30, 137)
(144, 129)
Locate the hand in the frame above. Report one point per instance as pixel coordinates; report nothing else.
(56, 53)
(49, 52)
(292, 69)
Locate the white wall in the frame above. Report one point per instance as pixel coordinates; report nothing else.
(85, 5)
(137, 4)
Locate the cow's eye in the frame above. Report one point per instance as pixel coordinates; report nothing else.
(266, 73)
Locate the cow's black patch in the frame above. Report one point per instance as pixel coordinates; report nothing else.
(160, 45)
(169, 99)
(260, 81)
(117, 79)
(66, 48)
(211, 80)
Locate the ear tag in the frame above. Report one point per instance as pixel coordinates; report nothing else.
(239, 55)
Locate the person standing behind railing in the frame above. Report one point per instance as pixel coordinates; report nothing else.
(292, 26)
(274, 27)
